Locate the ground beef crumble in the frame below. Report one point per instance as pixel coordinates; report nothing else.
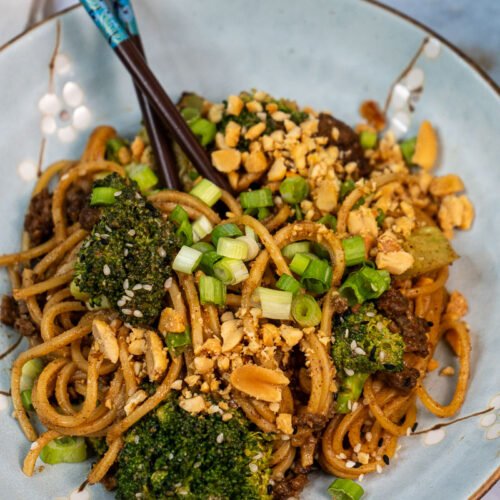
(38, 221)
(16, 314)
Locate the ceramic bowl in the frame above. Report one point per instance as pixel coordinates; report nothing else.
(60, 79)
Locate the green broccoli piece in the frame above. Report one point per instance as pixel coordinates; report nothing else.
(130, 245)
(171, 453)
(363, 343)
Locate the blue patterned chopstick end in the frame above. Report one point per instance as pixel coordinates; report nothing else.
(123, 9)
(107, 23)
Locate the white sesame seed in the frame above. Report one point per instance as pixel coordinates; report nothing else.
(125, 252)
(34, 445)
(355, 406)
(138, 196)
(108, 229)
(361, 477)
(127, 312)
(346, 332)
(196, 465)
(258, 456)
(162, 252)
(353, 345)
(129, 245)
(121, 303)
(357, 448)
(131, 232)
(129, 293)
(137, 287)
(168, 283)
(349, 405)
(220, 438)
(138, 314)
(117, 193)
(105, 236)
(408, 431)
(106, 270)
(342, 456)
(350, 464)
(368, 437)
(171, 456)
(148, 288)
(360, 351)
(379, 325)
(379, 468)
(253, 468)
(125, 284)
(381, 355)
(370, 314)
(349, 372)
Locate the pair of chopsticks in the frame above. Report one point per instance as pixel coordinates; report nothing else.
(158, 109)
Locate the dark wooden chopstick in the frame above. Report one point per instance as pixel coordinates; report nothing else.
(146, 81)
(156, 132)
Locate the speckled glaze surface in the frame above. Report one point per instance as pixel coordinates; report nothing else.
(330, 54)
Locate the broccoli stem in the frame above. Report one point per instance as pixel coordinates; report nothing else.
(350, 390)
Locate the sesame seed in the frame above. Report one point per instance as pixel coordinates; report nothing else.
(346, 332)
(386, 460)
(129, 245)
(220, 438)
(370, 314)
(379, 468)
(137, 287)
(361, 477)
(148, 288)
(125, 284)
(196, 465)
(258, 456)
(117, 193)
(353, 345)
(108, 229)
(129, 293)
(360, 351)
(127, 312)
(121, 303)
(350, 464)
(368, 437)
(162, 252)
(138, 314)
(357, 448)
(125, 252)
(414, 427)
(170, 456)
(355, 406)
(131, 232)
(381, 355)
(253, 468)
(408, 431)
(342, 456)
(105, 236)
(349, 372)
(349, 405)
(106, 270)
(168, 283)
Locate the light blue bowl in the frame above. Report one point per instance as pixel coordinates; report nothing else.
(330, 54)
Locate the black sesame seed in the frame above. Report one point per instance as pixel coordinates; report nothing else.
(380, 442)
(356, 465)
(414, 428)
(269, 489)
(386, 460)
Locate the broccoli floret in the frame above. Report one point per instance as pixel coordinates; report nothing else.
(363, 343)
(98, 445)
(171, 453)
(130, 245)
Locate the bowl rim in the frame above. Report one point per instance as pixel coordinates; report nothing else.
(488, 484)
(376, 3)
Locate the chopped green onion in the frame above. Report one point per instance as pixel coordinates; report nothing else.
(207, 192)
(26, 400)
(178, 216)
(368, 139)
(345, 489)
(253, 247)
(350, 390)
(230, 271)
(299, 263)
(65, 449)
(257, 199)
(191, 100)
(232, 248)
(408, 149)
(320, 251)
(177, 342)
(98, 304)
(294, 189)
(113, 146)
(330, 221)
(190, 115)
(263, 213)
(187, 260)
(251, 233)
(204, 129)
(288, 283)
(346, 188)
(103, 196)
(208, 261)
(354, 250)
(201, 228)
(144, 176)
(292, 249)
(365, 284)
(306, 311)
(77, 293)
(31, 369)
(225, 230)
(317, 278)
(212, 291)
(203, 247)
(359, 203)
(380, 217)
(275, 304)
(185, 233)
